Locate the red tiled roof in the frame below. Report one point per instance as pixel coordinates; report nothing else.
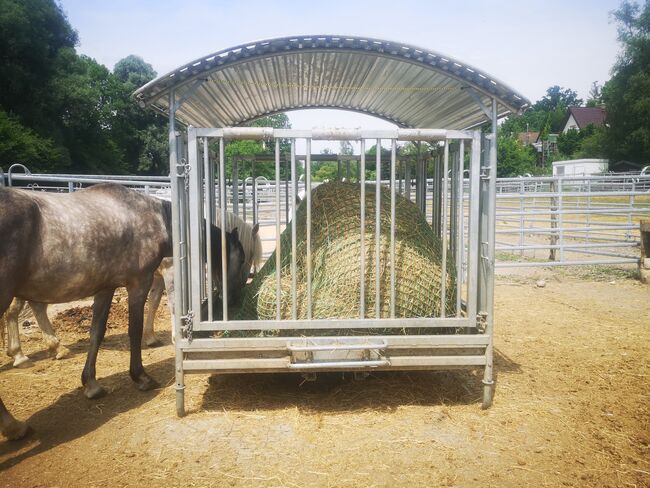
(585, 116)
(528, 137)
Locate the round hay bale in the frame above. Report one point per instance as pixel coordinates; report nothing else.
(336, 264)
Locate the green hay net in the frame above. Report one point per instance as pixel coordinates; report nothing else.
(336, 263)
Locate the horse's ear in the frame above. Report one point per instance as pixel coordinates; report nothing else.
(235, 233)
(256, 228)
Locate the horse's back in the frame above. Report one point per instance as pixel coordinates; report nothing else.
(88, 240)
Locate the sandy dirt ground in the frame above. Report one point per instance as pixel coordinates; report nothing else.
(572, 408)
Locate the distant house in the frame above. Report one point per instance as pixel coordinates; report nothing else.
(528, 138)
(580, 117)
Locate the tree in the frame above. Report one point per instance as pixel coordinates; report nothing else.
(513, 158)
(134, 71)
(595, 95)
(244, 148)
(32, 34)
(627, 93)
(20, 144)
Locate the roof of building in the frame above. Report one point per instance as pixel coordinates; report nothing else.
(407, 85)
(528, 137)
(585, 116)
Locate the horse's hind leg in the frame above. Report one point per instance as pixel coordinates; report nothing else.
(101, 307)
(137, 296)
(155, 294)
(11, 428)
(13, 336)
(58, 350)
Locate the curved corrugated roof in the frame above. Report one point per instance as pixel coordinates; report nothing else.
(407, 85)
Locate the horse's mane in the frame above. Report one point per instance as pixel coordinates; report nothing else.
(252, 244)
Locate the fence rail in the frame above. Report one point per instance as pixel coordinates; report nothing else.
(541, 221)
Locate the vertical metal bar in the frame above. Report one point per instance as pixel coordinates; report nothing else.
(393, 198)
(488, 382)
(362, 278)
(255, 218)
(407, 178)
(521, 216)
(443, 265)
(459, 226)
(452, 205)
(178, 186)
(224, 248)
(377, 229)
(628, 233)
(418, 179)
(589, 209)
(553, 219)
(287, 176)
(308, 201)
(235, 186)
(244, 195)
(560, 200)
(278, 223)
(473, 227)
(197, 269)
(294, 194)
(210, 208)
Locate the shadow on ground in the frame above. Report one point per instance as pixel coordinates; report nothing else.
(73, 416)
(339, 392)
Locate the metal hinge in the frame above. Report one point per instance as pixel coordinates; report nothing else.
(481, 322)
(188, 324)
(186, 173)
(485, 172)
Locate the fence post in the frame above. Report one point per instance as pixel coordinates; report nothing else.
(644, 262)
(521, 217)
(553, 237)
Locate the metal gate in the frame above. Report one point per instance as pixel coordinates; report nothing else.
(466, 233)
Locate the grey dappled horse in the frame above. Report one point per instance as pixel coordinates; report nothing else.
(61, 247)
(163, 279)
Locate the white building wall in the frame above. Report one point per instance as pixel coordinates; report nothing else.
(580, 167)
(570, 124)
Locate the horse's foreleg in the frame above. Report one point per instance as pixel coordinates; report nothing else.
(101, 307)
(155, 294)
(58, 350)
(13, 336)
(11, 428)
(137, 296)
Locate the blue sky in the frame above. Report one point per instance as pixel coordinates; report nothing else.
(528, 45)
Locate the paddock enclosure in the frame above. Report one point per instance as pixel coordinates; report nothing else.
(431, 98)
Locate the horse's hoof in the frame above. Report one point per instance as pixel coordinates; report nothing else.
(62, 352)
(93, 391)
(22, 361)
(153, 343)
(15, 430)
(146, 383)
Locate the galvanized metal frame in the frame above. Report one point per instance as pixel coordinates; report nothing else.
(310, 354)
(441, 91)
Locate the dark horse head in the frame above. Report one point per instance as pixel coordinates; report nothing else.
(235, 259)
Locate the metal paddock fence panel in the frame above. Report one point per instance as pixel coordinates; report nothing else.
(571, 220)
(541, 221)
(465, 235)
